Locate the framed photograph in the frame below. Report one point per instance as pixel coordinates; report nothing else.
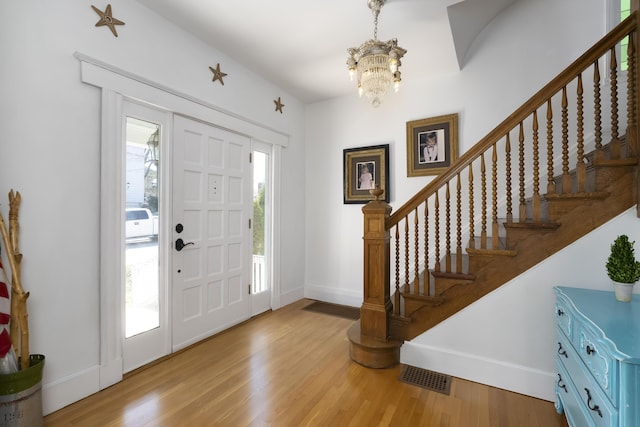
(432, 145)
(366, 168)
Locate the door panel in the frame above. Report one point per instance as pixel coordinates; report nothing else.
(212, 201)
(145, 286)
(261, 274)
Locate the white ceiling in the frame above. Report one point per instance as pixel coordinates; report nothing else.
(301, 45)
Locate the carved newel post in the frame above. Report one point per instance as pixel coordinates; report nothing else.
(369, 343)
(376, 307)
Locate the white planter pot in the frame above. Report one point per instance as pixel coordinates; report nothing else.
(623, 291)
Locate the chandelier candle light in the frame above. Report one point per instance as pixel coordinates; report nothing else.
(376, 63)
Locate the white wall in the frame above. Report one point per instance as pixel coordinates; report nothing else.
(50, 148)
(519, 52)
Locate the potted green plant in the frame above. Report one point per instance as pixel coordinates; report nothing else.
(623, 268)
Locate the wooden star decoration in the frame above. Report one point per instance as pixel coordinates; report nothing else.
(279, 104)
(217, 74)
(107, 19)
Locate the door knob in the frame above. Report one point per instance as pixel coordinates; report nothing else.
(180, 244)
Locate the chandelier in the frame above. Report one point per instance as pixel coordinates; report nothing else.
(376, 63)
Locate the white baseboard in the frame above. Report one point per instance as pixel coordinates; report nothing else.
(290, 297)
(333, 295)
(65, 391)
(495, 373)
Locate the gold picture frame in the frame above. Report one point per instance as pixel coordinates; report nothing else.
(365, 168)
(432, 145)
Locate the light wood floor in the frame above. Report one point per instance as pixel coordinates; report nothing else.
(291, 367)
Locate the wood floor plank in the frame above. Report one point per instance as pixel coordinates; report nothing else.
(291, 367)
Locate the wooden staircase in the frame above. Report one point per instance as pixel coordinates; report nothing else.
(433, 276)
(525, 244)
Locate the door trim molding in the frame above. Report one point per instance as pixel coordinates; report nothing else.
(101, 74)
(117, 85)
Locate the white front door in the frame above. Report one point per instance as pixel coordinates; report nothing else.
(212, 204)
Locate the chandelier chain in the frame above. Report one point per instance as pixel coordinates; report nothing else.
(375, 24)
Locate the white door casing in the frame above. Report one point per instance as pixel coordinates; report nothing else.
(116, 85)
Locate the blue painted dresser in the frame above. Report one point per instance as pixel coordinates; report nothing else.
(597, 358)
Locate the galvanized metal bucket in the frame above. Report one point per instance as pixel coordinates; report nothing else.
(21, 395)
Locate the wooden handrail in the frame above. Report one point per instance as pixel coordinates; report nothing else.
(564, 78)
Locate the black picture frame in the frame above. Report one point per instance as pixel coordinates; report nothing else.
(365, 168)
(432, 145)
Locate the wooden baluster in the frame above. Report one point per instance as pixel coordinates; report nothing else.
(472, 219)
(483, 183)
(581, 167)
(494, 196)
(632, 131)
(447, 229)
(407, 288)
(425, 273)
(597, 111)
(551, 182)
(416, 274)
(437, 232)
(614, 145)
(523, 205)
(566, 178)
(396, 305)
(536, 168)
(459, 226)
(507, 149)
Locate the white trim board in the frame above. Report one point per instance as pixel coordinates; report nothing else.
(507, 376)
(106, 76)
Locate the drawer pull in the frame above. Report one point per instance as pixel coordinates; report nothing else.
(594, 408)
(590, 350)
(562, 386)
(562, 351)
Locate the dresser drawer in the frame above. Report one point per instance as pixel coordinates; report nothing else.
(597, 357)
(567, 399)
(592, 399)
(564, 318)
(602, 366)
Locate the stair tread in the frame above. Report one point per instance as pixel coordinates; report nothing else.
(477, 248)
(574, 196)
(453, 275)
(531, 224)
(437, 300)
(616, 162)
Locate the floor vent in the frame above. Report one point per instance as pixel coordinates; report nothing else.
(430, 380)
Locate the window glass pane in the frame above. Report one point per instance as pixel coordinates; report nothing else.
(259, 216)
(141, 227)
